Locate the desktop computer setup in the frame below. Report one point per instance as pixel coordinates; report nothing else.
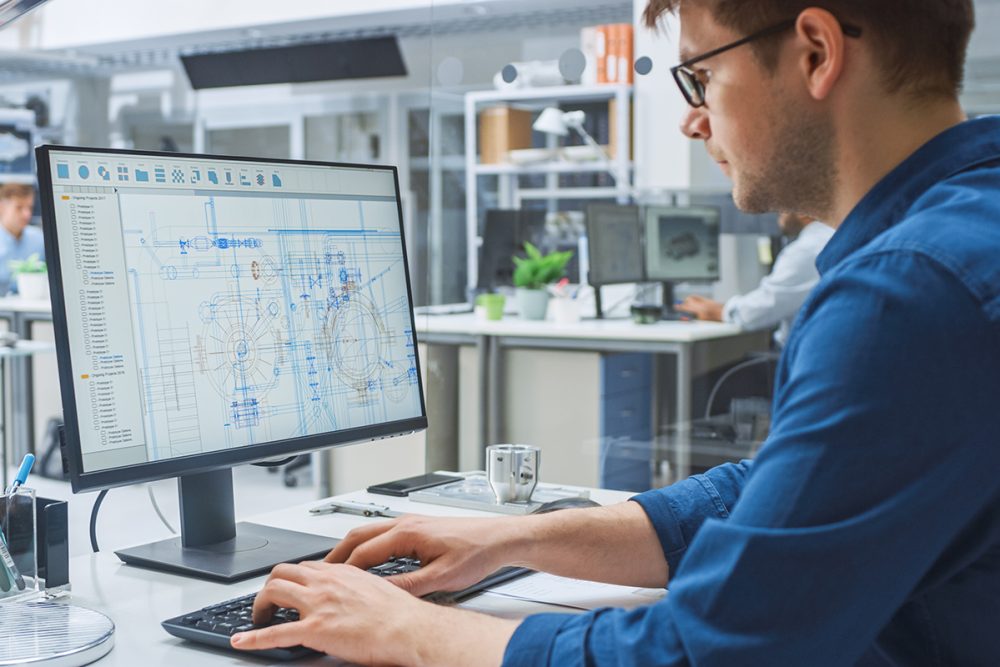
(652, 244)
(212, 311)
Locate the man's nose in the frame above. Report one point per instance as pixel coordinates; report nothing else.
(695, 125)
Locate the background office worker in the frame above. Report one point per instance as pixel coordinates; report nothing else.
(782, 292)
(18, 240)
(867, 531)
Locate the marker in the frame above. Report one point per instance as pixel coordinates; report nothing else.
(22, 473)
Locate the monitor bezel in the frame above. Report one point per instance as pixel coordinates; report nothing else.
(81, 480)
(590, 223)
(649, 212)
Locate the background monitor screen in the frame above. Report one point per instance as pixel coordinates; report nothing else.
(614, 244)
(213, 311)
(504, 234)
(682, 243)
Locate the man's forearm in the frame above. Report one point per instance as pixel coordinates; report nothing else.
(445, 636)
(615, 544)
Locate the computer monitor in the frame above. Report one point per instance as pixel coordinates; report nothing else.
(505, 232)
(682, 244)
(212, 311)
(614, 247)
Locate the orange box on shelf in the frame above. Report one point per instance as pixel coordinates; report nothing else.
(501, 130)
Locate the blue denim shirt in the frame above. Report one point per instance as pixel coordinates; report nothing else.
(867, 531)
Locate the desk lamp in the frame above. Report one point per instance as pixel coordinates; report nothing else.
(558, 122)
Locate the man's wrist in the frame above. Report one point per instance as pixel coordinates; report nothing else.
(438, 636)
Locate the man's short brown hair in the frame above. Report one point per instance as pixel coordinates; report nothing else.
(921, 43)
(16, 191)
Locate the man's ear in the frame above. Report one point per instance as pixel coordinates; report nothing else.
(820, 50)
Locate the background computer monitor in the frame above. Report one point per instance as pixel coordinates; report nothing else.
(682, 244)
(504, 233)
(614, 245)
(212, 311)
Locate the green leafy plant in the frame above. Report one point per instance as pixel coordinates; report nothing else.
(30, 265)
(537, 270)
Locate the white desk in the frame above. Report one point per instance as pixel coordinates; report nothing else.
(616, 335)
(137, 600)
(20, 315)
(17, 434)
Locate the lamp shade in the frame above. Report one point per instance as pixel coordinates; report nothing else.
(550, 121)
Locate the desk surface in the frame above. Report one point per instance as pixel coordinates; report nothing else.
(15, 304)
(137, 600)
(617, 329)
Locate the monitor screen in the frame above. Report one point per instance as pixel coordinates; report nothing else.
(682, 243)
(614, 244)
(212, 311)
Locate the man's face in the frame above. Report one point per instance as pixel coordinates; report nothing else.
(15, 213)
(766, 134)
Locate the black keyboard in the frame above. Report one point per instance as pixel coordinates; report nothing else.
(213, 625)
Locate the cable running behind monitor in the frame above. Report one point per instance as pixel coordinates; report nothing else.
(212, 311)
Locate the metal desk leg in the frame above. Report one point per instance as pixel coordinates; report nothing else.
(21, 401)
(496, 392)
(682, 417)
(3, 418)
(483, 351)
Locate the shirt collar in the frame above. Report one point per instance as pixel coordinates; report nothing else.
(954, 150)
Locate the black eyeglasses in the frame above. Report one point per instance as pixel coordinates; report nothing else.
(693, 88)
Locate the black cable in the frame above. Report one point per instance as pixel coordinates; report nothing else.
(93, 520)
(275, 464)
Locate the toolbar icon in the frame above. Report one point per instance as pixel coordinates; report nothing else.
(62, 170)
(122, 173)
(213, 177)
(84, 171)
(141, 176)
(160, 174)
(276, 180)
(103, 172)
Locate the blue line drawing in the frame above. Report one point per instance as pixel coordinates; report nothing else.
(266, 318)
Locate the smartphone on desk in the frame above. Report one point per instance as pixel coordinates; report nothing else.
(403, 487)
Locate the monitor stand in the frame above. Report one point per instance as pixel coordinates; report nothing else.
(668, 306)
(213, 546)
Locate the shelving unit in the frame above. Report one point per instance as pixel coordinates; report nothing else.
(509, 192)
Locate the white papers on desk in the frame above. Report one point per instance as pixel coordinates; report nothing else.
(577, 593)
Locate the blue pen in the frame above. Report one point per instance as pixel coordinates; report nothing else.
(22, 473)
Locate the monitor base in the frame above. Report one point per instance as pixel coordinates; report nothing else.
(254, 551)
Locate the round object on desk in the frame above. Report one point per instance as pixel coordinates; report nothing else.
(646, 313)
(54, 635)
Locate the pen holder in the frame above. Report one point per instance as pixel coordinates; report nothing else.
(18, 544)
(35, 531)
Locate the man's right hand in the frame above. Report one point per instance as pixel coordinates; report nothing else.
(454, 553)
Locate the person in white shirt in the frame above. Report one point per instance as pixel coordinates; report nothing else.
(782, 292)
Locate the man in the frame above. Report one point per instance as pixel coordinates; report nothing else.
(782, 292)
(17, 239)
(867, 531)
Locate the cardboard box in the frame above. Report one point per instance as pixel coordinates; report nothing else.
(613, 127)
(502, 129)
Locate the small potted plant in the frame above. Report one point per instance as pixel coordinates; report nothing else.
(31, 276)
(531, 276)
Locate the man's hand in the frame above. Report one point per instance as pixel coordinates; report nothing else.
(702, 308)
(359, 617)
(454, 553)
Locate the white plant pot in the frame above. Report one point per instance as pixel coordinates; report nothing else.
(33, 286)
(532, 303)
